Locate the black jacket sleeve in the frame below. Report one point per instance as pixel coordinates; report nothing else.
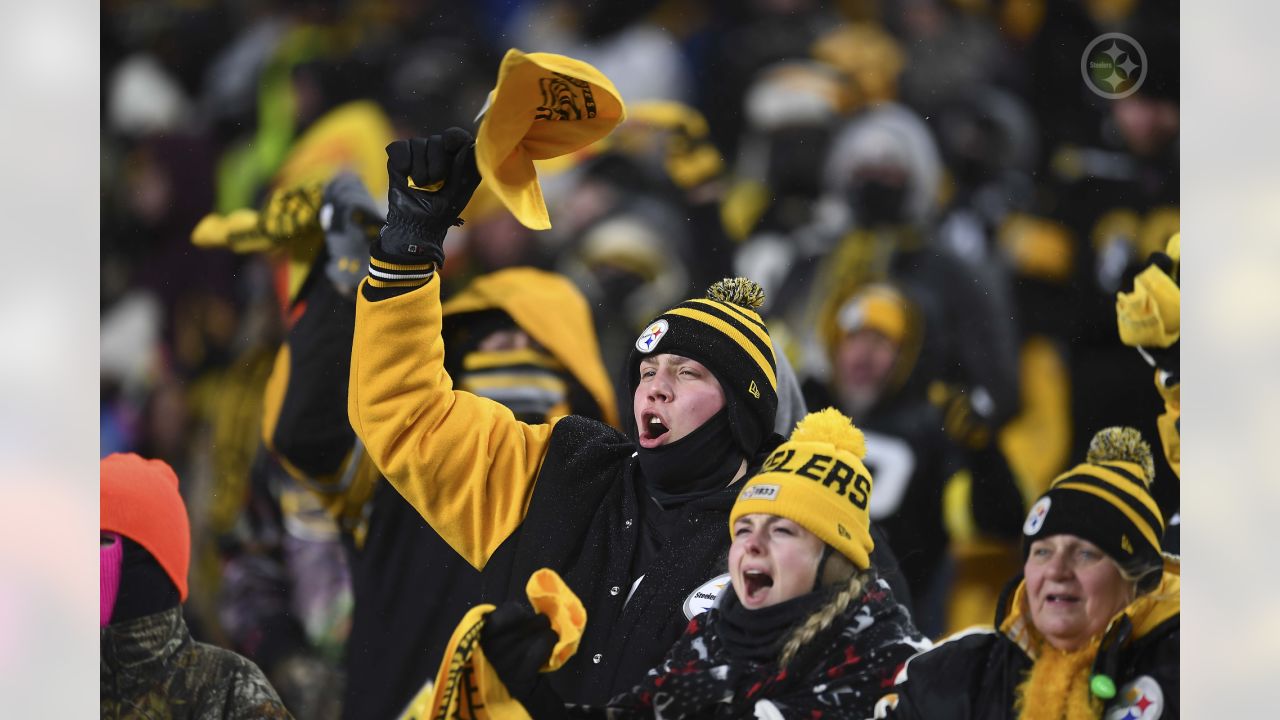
(313, 434)
(952, 680)
(986, 341)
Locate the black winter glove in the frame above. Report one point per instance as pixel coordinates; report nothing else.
(966, 413)
(417, 220)
(517, 641)
(351, 222)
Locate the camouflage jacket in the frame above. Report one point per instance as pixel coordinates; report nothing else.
(152, 668)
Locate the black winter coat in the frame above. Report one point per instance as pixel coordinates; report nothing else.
(841, 673)
(974, 676)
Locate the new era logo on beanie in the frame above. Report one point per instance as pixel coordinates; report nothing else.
(723, 332)
(760, 492)
(818, 480)
(1106, 501)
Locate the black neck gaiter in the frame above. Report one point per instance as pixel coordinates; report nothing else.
(757, 635)
(145, 588)
(697, 464)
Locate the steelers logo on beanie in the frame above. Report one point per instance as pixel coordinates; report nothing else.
(817, 479)
(723, 332)
(1106, 500)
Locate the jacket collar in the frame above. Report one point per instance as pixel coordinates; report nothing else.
(137, 652)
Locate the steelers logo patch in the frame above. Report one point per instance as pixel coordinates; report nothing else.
(649, 339)
(701, 600)
(1141, 699)
(1035, 518)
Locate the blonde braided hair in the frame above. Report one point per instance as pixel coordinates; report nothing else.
(822, 618)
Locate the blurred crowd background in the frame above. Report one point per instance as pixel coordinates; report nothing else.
(938, 204)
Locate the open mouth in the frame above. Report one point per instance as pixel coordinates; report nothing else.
(652, 426)
(757, 584)
(1060, 598)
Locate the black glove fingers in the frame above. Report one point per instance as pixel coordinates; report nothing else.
(418, 219)
(505, 616)
(537, 623)
(434, 161)
(456, 138)
(525, 625)
(399, 163)
(415, 159)
(543, 641)
(464, 176)
(538, 650)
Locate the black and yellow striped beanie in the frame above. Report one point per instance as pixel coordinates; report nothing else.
(723, 332)
(1106, 500)
(817, 479)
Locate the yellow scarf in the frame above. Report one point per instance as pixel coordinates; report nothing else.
(1057, 687)
(467, 687)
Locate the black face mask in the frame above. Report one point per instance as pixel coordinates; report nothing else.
(701, 462)
(145, 588)
(794, 155)
(876, 203)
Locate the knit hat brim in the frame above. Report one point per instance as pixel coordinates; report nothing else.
(1106, 504)
(824, 489)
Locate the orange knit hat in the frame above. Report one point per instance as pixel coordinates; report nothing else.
(139, 499)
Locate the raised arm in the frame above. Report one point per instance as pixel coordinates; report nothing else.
(464, 462)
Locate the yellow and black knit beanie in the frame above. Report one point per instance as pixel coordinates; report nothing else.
(723, 332)
(1106, 500)
(817, 479)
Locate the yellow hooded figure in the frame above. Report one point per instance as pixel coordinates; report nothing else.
(543, 106)
(349, 137)
(568, 336)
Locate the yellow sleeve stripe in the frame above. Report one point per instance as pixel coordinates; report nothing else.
(736, 335)
(396, 283)
(384, 265)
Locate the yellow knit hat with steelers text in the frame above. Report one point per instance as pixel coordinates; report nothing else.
(817, 480)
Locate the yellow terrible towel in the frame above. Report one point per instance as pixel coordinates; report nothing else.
(467, 686)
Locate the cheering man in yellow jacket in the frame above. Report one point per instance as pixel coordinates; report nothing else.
(633, 522)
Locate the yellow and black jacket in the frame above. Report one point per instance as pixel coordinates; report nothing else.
(410, 587)
(511, 498)
(976, 675)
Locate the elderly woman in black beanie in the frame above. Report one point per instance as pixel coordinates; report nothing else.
(1091, 630)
